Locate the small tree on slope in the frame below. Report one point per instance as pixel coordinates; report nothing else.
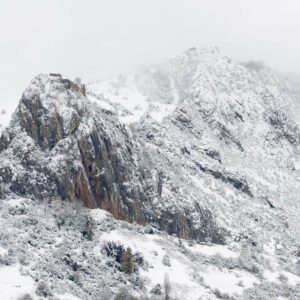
(127, 262)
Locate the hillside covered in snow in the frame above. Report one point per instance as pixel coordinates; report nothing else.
(193, 164)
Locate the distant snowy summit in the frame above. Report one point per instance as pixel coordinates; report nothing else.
(157, 90)
(154, 91)
(211, 150)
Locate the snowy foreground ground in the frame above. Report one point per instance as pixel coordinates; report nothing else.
(44, 254)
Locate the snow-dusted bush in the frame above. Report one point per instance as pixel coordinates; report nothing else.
(127, 261)
(87, 228)
(43, 290)
(166, 261)
(114, 250)
(282, 278)
(23, 260)
(139, 259)
(7, 260)
(123, 259)
(221, 295)
(123, 294)
(25, 297)
(156, 290)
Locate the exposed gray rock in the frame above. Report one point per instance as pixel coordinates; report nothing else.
(61, 145)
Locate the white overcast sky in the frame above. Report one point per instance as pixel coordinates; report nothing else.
(95, 39)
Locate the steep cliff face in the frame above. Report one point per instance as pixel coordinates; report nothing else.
(60, 144)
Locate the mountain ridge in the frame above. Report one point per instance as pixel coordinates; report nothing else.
(198, 162)
(216, 115)
(69, 156)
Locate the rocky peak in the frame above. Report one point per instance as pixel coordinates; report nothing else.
(60, 144)
(50, 109)
(60, 124)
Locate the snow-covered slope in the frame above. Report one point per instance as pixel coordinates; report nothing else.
(202, 148)
(151, 92)
(230, 144)
(45, 254)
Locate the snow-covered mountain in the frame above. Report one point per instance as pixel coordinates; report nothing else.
(202, 148)
(227, 132)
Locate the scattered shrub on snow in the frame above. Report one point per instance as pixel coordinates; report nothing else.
(7, 260)
(166, 261)
(43, 290)
(191, 243)
(123, 294)
(18, 210)
(156, 290)
(70, 262)
(180, 244)
(139, 259)
(114, 251)
(297, 251)
(148, 229)
(25, 297)
(241, 283)
(221, 295)
(30, 221)
(125, 259)
(87, 228)
(23, 260)
(127, 262)
(282, 278)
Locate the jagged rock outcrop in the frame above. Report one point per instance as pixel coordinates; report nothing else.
(60, 144)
